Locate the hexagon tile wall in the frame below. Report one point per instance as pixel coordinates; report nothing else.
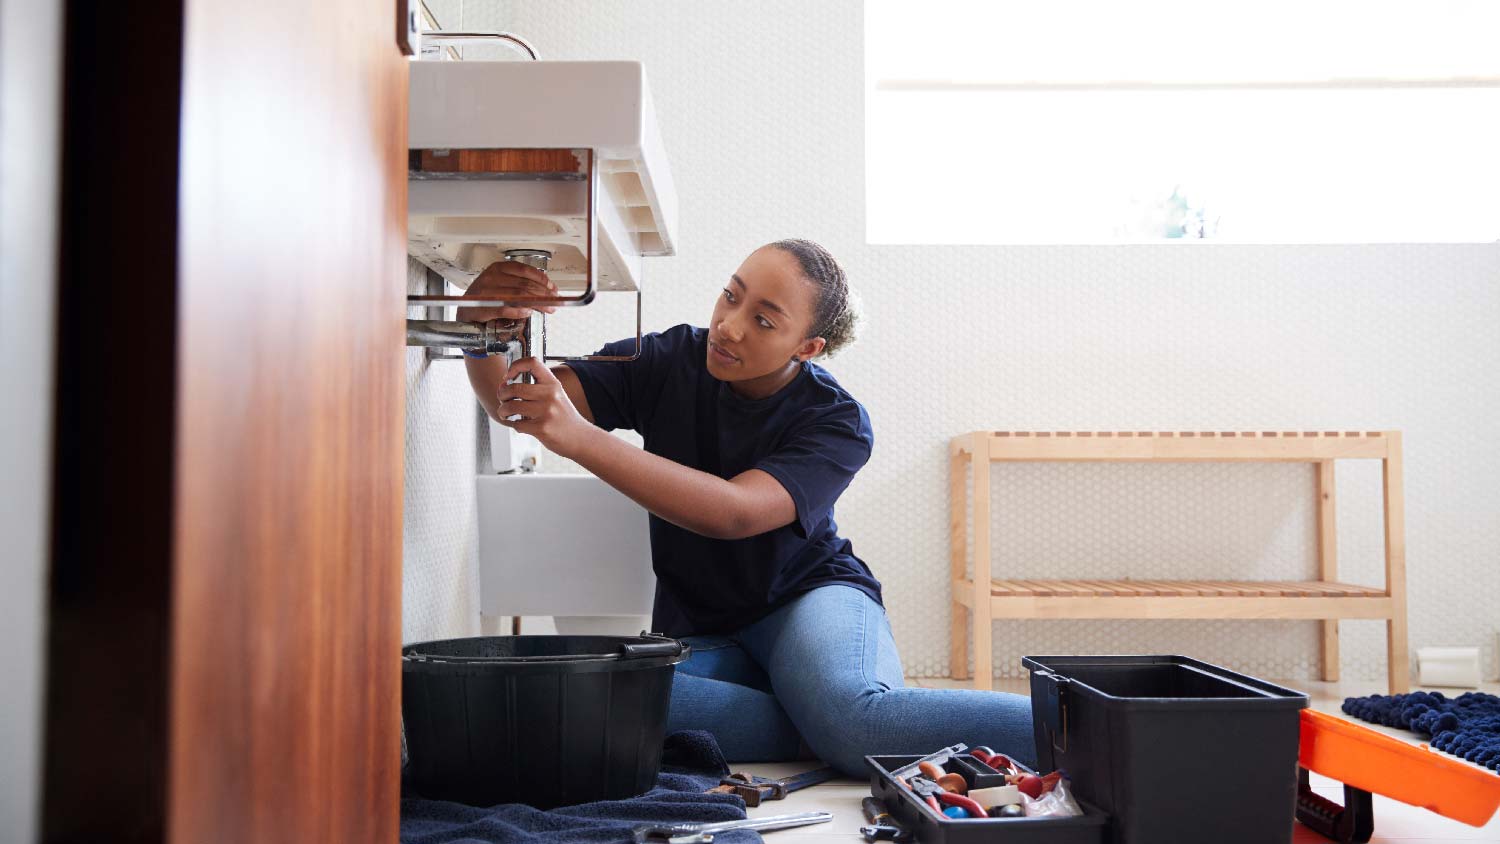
(761, 111)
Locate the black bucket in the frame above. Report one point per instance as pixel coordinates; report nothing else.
(542, 720)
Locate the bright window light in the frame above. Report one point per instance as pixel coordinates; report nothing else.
(1324, 121)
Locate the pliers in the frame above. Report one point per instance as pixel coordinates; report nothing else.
(935, 796)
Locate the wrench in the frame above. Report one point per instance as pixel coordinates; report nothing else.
(703, 833)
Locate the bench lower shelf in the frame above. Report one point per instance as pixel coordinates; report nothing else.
(1164, 599)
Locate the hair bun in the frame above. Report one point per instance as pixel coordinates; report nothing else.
(836, 312)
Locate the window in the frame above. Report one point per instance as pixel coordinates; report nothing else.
(1324, 121)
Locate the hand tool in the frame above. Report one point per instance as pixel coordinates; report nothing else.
(989, 757)
(754, 790)
(934, 796)
(1009, 810)
(882, 826)
(954, 783)
(936, 757)
(703, 833)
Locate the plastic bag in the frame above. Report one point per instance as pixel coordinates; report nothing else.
(1057, 803)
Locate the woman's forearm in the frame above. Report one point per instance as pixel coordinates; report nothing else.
(555, 411)
(694, 500)
(485, 377)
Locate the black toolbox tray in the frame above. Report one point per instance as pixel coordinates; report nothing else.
(1177, 751)
(935, 828)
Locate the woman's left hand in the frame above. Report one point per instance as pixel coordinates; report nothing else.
(543, 409)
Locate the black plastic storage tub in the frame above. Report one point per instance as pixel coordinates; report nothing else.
(933, 828)
(542, 720)
(1176, 750)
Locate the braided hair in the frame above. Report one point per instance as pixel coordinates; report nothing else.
(836, 313)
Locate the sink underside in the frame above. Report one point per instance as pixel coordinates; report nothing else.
(502, 157)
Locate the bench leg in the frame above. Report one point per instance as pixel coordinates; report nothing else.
(1395, 565)
(958, 558)
(1328, 561)
(979, 600)
(958, 644)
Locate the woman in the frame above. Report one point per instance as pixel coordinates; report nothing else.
(748, 444)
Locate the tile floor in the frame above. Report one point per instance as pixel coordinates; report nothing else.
(1395, 823)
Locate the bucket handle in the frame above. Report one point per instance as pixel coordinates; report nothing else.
(1055, 709)
(662, 646)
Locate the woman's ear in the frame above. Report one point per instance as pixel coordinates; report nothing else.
(810, 348)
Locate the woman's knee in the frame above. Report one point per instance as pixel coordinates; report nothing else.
(847, 730)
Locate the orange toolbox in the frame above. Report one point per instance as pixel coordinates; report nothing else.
(1369, 762)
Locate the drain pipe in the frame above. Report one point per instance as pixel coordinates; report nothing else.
(509, 337)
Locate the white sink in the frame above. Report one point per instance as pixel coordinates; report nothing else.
(459, 225)
(562, 545)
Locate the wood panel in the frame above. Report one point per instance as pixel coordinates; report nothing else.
(1183, 446)
(1205, 607)
(286, 614)
(958, 558)
(980, 607)
(497, 161)
(1393, 497)
(1328, 558)
(1178, 599)
(1127, 589)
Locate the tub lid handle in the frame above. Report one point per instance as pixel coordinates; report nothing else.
(1055, 709)
(662, 646)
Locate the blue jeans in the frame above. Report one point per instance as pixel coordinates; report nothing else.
(824, 670)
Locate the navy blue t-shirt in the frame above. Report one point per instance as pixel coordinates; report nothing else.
(811, 435)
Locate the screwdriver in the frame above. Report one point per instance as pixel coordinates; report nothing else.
(882, 826)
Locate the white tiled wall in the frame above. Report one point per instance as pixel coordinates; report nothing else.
(440, 540)
(760, 107)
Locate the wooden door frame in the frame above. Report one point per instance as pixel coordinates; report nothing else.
(226, 673)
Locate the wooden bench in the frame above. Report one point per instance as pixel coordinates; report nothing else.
(982, 598)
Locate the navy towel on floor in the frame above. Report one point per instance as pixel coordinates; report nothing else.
(1467, 726)
(691, 764)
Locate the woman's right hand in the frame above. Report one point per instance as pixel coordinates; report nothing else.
(507, 280)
